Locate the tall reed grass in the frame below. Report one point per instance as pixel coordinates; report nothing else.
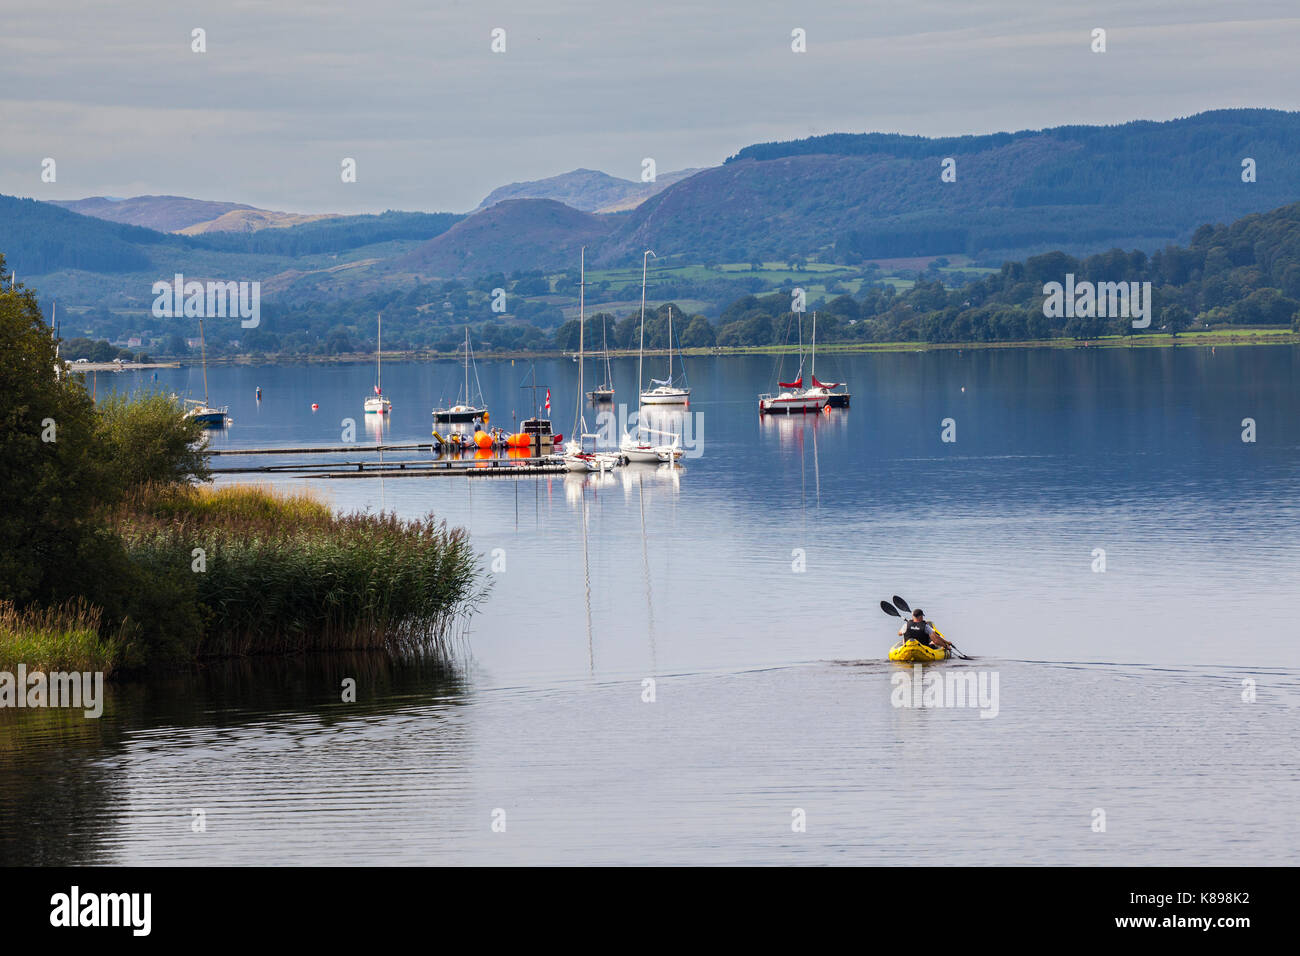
(283, 573)
(62, 638)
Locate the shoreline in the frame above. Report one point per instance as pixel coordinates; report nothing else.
(1214, 338)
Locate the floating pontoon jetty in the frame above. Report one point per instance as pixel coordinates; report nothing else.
(468, 467)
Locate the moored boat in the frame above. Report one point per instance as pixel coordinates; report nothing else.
(604, 393)
(793, 399)
(576, 457)
(666, 391)
(202, 412)
(465, 409)
(791, 402)
(378, 403)
(207, 416)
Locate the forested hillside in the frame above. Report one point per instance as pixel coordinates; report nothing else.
(848, 197)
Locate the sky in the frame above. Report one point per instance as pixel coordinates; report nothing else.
(412, 91)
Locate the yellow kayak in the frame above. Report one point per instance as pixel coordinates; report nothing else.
(916, 651)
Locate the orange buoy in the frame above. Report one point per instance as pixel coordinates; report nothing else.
(519, 440)
(483, 440)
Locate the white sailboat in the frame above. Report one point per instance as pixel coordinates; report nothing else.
(203, 412)
(465, 410)
(640, 447)
(666, 391)
(378, 404)
(576, 458)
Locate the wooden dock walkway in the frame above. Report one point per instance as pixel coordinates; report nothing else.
(400, 468)
(321, 450)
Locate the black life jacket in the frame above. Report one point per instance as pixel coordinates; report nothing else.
(916, 631)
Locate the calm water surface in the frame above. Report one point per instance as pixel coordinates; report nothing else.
(1119, 692)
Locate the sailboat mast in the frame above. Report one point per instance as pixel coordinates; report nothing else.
(670, 345)
(379, 354)
(814, 347)
(582, 290)
(467, 365)
(604, 344)
(203, 357)
(640, 355)
(799, 318)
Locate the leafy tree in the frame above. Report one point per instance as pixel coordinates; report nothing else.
(62, 465)
(698, 334)
(148, 439)
(532, 285)
(52, 476)
(566, 336)
(1174, 318)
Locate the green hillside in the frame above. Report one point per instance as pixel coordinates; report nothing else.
(850, 197)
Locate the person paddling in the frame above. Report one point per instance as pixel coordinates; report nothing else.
(920, 630)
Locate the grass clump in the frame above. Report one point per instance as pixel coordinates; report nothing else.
(66, 637)
(275, 573)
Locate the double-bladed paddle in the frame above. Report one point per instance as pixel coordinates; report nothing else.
(902, 610)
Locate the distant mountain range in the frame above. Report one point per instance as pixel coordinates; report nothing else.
(188, 216)
(587, 190)
(846, 198)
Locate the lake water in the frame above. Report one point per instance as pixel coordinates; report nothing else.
(1161, 692)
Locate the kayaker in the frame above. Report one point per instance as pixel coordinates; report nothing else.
(922, 631)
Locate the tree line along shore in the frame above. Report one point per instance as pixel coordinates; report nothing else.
(1229, 336)
(1228, 279)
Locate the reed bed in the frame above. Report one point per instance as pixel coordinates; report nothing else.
(248, 502)
(65, 637)
(283, 573)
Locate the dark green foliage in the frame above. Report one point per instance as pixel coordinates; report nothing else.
(41, 237)
(147, 439)
(1246, 273)
(52, 476)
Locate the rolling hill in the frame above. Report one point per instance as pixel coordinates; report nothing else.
(184, 215)
(588, 190)
(865, 196)
(252, 220)
(512, 235)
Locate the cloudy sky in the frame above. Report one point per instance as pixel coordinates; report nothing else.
(435, 120)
